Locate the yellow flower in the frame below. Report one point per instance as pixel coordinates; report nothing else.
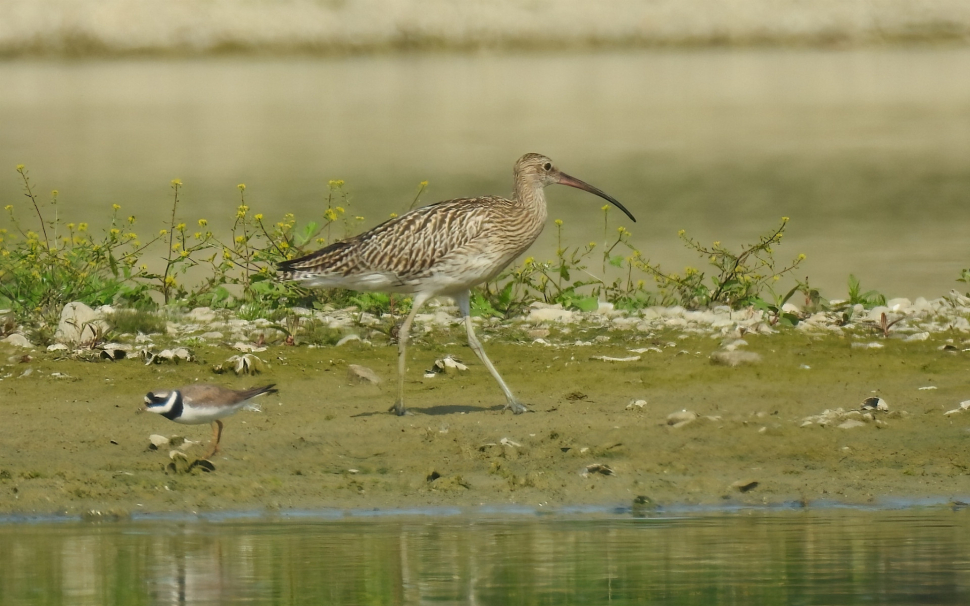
(592, 244)
(801, 256)
(176, 182)
(529, 260)
(284, 244)
(170, 280)
(203, 222)
(359, 218)
(423, 184)
(226, 254)
(162, 232)
(341, 210)
(184, 254)
(20, 167)
(197, 235)
(54, 193)
(321, 240)
(242, 187)
(784, 219)
(393, 215)
(258, 217)
(330, 215)
(681, 233)
(605, 207)
(131, 219)
(558, 222)
(335, 183)
(82, 226)
(180, 227)
(143, 267)
(70, 226)
(116, 207)
(240, 239)
(241, 211)
(176, 246)
(8, 208)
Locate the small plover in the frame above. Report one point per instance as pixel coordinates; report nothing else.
(203, 403)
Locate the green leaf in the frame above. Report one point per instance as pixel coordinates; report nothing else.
(616, 260)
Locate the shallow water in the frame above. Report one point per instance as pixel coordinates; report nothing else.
(745, 557)
(865, 150)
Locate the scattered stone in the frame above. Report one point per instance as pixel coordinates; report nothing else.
(157, 441)
(542, 312)
(642, 350)
(867, 345)
(201, 315)
(348, 339)
(508, 442)
(611, 359)
(361, 374)
(927, 388)
(599, 468)
(18, 340)
(744, 485)
(58, 347)
(636, 405)
(919, 336)
(113, 354)
(875, 404)
(681, 418)
(734, 358)
(246, 364)
(79, 324)
(26, 373)
(965, 405)
(851, 424)
(247, 347)
(448, 365)
(211, 335)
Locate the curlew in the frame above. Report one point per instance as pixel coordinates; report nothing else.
(442, 249)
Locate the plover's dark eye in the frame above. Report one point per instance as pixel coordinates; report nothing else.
(547, 166)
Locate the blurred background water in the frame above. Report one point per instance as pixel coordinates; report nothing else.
(750, 557)
(867, 150)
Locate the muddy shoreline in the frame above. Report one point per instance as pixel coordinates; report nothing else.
(73, 443)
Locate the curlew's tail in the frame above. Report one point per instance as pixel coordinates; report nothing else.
(328, 260)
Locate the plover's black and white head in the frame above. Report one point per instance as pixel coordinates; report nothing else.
(203, 403)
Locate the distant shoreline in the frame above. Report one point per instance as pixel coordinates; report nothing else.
(67, 28)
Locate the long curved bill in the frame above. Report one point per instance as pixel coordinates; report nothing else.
(565, 179)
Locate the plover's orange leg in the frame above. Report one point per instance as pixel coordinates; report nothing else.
(216, 436)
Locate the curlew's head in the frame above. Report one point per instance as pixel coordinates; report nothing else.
(538, 171)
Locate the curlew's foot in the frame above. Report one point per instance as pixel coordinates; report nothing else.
(516, 406)
(399, 409)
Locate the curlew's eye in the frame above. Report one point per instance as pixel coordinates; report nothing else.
(547, 166)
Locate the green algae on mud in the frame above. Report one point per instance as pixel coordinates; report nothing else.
(73, 443)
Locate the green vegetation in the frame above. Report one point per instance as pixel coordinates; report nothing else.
(45, 263)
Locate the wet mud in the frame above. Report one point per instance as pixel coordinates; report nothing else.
(71, 441)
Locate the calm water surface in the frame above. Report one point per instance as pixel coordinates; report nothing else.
(754, 557)
(868, 151)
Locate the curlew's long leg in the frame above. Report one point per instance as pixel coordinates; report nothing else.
(402, 343)
(216, 436)
(462, 299)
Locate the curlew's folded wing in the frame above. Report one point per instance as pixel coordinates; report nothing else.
(398, 250)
